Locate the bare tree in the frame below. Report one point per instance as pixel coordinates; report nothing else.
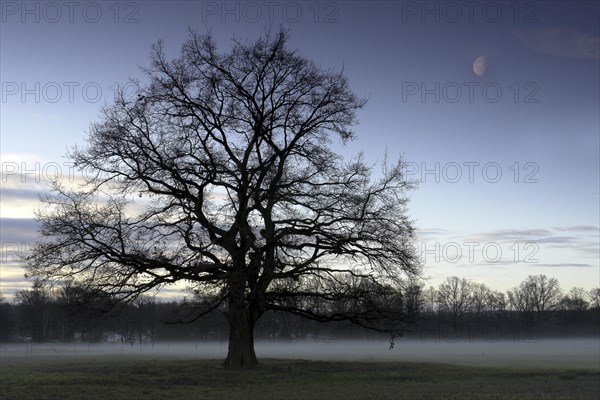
(431, 298)
(497, 301)
(594, 296)
(536, 298)
(241, 194)
(536, 293)
(575, 300)
(455, 298)
(36, 305)
(414, 299)
(480, 298)
(6, 320)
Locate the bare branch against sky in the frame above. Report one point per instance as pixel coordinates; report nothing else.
(244, 199)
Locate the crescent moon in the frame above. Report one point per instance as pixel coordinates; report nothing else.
(479, 66)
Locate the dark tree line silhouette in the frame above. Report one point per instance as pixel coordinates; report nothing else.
(455, 310)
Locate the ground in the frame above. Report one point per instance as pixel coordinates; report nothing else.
(122, 377)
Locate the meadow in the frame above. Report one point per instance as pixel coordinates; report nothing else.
(337, 372)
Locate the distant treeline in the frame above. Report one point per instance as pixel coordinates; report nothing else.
(456, 310)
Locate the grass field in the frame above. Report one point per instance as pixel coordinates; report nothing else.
(114, 378)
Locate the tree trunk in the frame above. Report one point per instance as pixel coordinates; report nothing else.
(241, 338)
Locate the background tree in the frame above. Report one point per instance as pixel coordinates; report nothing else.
(536, 299)
(6, 320)
(455, 298)
(480, 298)
(575, 300)
(430, 298)
(73, 314)
(497, 301)
(414, 299)
(243, 196)
(36, 307)
(594, 296)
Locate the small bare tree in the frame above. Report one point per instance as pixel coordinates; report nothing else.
(496, 302)
(480, 298)
(455, 298)
(242, 195)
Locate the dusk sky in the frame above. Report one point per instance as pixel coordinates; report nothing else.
(506, 149)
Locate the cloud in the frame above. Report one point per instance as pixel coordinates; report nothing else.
(16, 279)
(490, 264)
(9, 194)
(562, 42)
(19, 203)
(577, 228)
(512, 235)
(539, 235)
(12, 278)
(590, 250)
(18, 230)
(505, 247)
(563, 265)
(429, 232)
(561, 240)
(18, 236)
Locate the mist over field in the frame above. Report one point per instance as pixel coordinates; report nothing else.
(546, 353)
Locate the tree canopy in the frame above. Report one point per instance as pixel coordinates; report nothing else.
(221, 173)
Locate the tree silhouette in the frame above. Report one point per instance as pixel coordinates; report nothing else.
(536, 299)
(220, 173)
(575, 300)
(455, 298)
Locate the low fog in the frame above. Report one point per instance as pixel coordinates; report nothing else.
(550, 353)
